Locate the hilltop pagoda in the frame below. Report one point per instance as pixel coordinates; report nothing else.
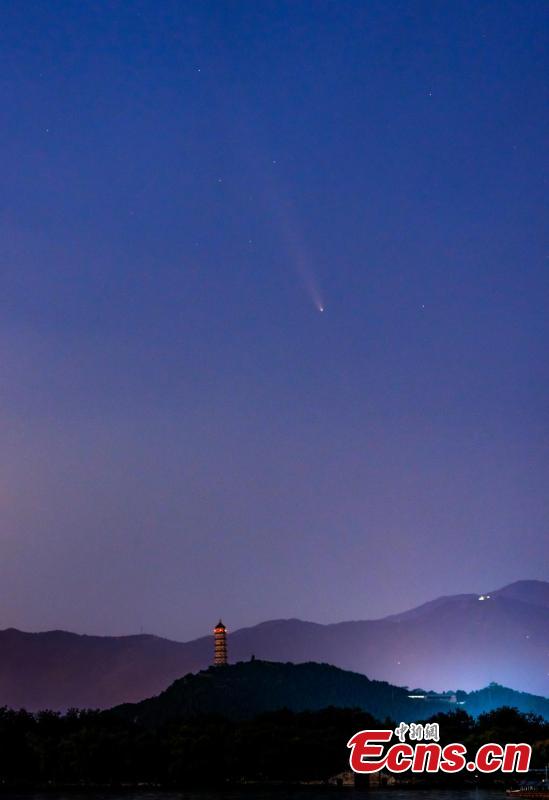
(220, 644)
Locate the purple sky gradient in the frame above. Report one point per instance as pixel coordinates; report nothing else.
(182, 434)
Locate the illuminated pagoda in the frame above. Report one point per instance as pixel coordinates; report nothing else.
(220, 643)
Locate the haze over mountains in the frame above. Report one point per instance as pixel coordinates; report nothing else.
(456, 642)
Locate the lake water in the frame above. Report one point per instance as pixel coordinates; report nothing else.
(309, 793)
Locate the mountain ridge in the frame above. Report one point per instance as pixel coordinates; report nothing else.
(454, 641)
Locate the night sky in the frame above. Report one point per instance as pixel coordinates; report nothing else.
(184, 433)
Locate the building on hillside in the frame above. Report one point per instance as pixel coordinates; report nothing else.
(434, 697)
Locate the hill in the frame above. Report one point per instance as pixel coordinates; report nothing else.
(457, 641)
(246, 689)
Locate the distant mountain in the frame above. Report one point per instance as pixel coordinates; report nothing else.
(246, 689)
(534, 592)
(60, 670)
(464, 641)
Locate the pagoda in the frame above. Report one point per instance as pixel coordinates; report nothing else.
(220, 644)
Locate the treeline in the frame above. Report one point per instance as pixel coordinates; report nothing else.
(103, 748)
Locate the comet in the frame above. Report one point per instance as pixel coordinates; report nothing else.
(294, 242)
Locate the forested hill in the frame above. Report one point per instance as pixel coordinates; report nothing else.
(249, 688)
